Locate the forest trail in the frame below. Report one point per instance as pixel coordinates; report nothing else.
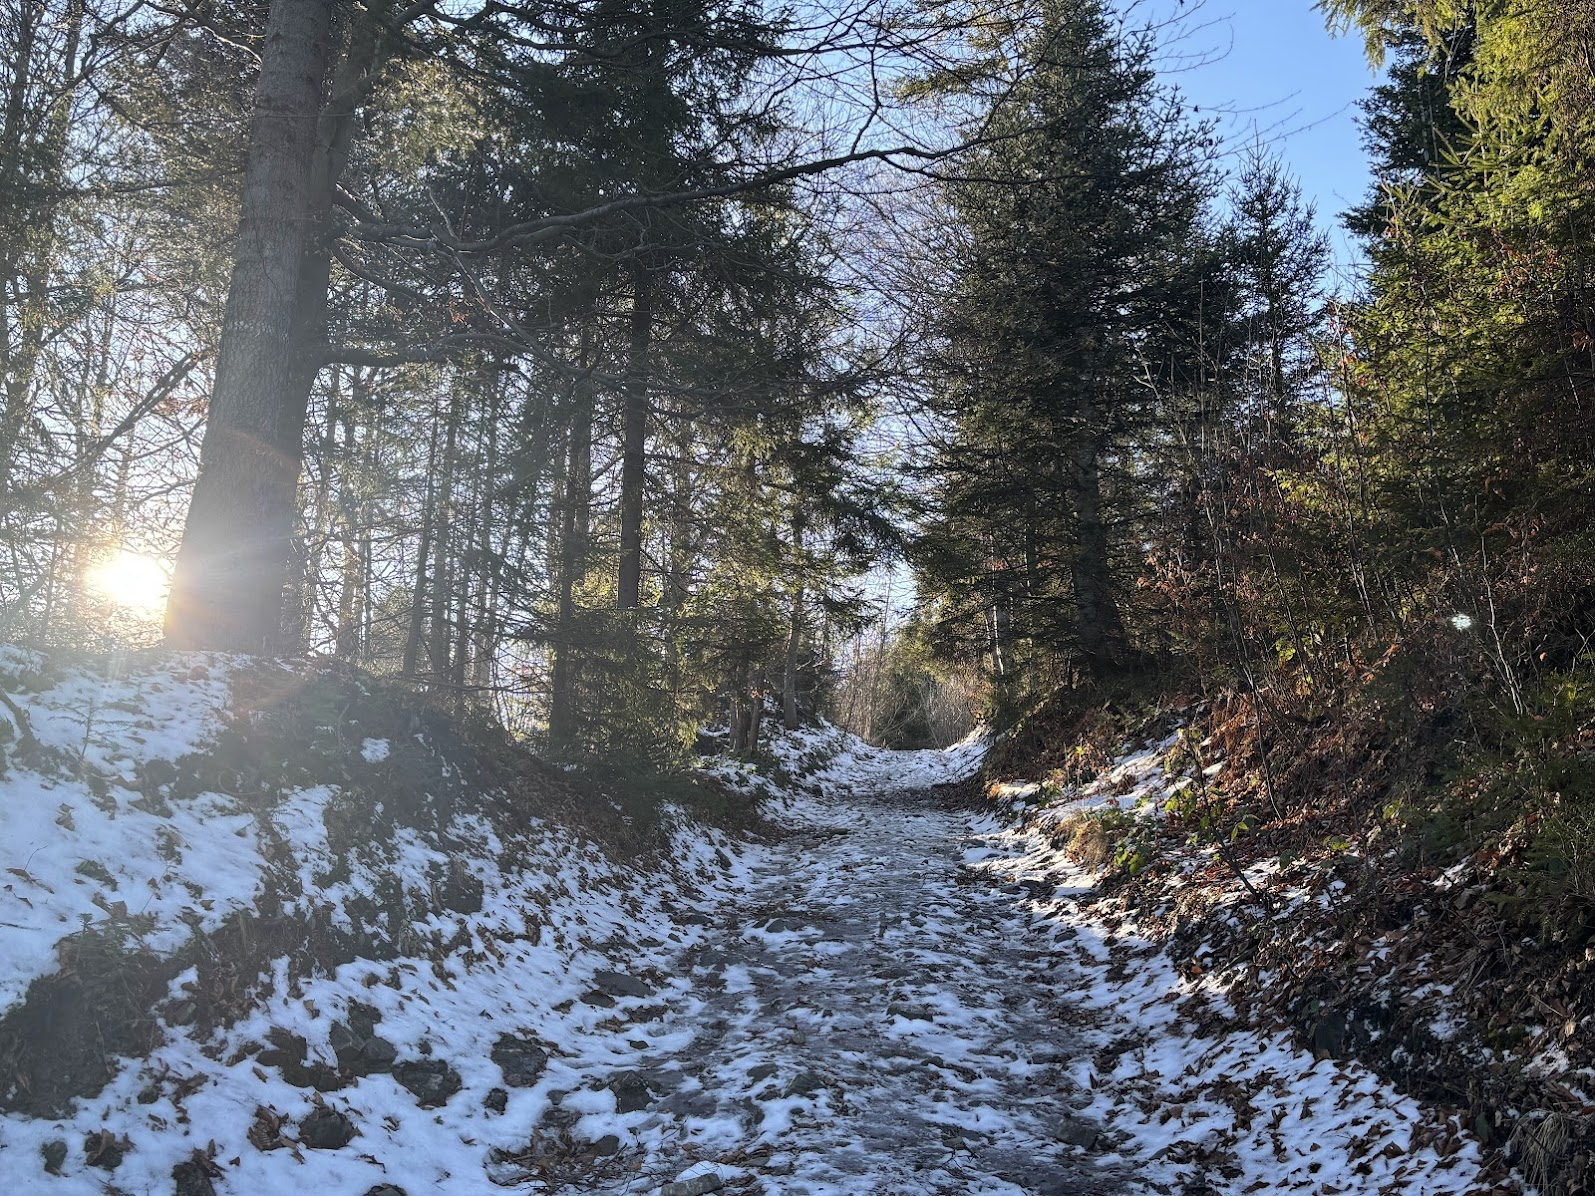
(870, 1019)
(885, 995)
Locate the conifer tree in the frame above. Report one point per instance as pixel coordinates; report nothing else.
(1080, 221)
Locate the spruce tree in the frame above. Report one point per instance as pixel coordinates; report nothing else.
(1079, 220)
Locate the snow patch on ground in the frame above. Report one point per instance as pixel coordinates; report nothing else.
(74, 851)
(887, 998)
(556, 917)
(824, 758)
(1193, 1095)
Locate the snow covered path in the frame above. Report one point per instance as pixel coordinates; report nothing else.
(893, 997)
(877, 1024)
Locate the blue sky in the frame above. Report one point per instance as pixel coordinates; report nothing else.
(1271, 68)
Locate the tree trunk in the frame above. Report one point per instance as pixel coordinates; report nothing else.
(227, 591)
(575, 519)
(1098, 626)
(443, 563)
(352, 597)
(789, 674)
(233, 563)
(412, 641)
(634, 444)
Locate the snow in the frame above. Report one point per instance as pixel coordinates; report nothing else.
(825, 758)
(72, 854)
(889, 995)
(519, 965)
(1227, 1107)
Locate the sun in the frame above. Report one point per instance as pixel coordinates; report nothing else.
(131, 580)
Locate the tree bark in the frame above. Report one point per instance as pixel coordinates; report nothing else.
(352, 597)
(412, 640)
(228, 588)
(794, 640)
(1099, 629)
(575, 520)
(634, 444)
(239, 534)
(443, 561)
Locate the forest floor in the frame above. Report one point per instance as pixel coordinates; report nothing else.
(368, 978)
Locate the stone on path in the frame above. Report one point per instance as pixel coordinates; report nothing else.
(697, 1185)
(1074, 1132)
(326, 1129)
(805, 1083)
(631, 1092)
(619, 984)
(430, 1081)
(192, 1179)
(521, 1060)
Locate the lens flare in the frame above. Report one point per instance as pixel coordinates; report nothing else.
(131, 580)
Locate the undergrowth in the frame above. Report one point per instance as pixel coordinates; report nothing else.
(1423, 836)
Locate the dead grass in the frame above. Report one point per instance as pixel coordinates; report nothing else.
(1365, 797)
(1086, 840)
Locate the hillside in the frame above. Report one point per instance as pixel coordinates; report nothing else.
(250, 910)
(272, 925)
(1381, 895)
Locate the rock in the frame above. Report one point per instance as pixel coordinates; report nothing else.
(288, 1056)
(521, 1060)
(697, 1185)
(386, 1190)
(326, 1129)
(762, 1071)
(430, 1081)
(696, 920)
(779, 1166)
(912, 1013)
(54, 1152)
(607, 1145)
(631, 1092)
(377, 1055)
(346, 1045)
(598, 1000)
(618, 984)
(805, 1083)
(956, 1138)
(181, 1013)
(105, 1150)
(1328, 1038)
(560, 1119)
(694, 1103)
(155, 773)
(496, 1101)
(362, 1019)
(153, 803)
(1073, 1132)
(462, 892)
(192, 1179)
(713, 959)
